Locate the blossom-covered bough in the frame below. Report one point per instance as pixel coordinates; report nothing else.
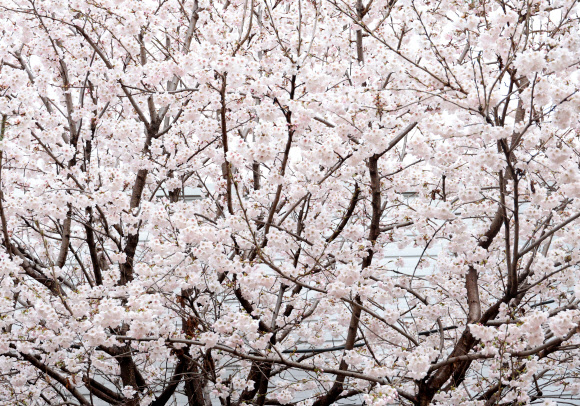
(324, 139)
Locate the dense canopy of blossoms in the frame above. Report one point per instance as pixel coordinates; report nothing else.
(214, 202)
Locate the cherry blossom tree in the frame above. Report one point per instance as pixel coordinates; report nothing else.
(321, 139)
